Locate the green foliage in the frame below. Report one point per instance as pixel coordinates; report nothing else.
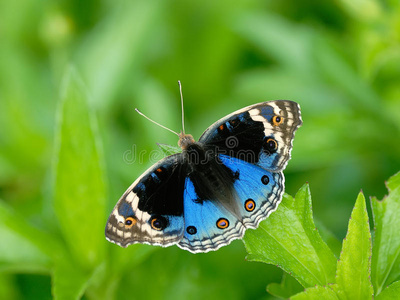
(386, 247)
(315, 293)
(64, 163)
(27, 249)
(391, 292)
(353, 276)
(353, 271)
(288, 287)
(82, 195)
(78, 195)
(298, 249)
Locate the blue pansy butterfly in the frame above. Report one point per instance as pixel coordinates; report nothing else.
(209, 194)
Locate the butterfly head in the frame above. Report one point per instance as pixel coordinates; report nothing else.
(185, 140)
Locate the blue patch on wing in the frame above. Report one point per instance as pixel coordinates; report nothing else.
(125, 209)
(268, 162)
(255, 185)
(267, 112)
(201, 231)
(204, 215)
(175, 225)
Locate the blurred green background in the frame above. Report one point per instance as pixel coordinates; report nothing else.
(340, 59)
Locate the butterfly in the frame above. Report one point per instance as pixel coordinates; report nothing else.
(209, 194)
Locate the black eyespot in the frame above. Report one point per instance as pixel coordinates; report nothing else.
(158, 222)
(265, 180)
(270, 145)
(191, 230)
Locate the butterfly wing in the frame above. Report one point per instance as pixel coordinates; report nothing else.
(209, 226)
(151, 209)
(261, 134)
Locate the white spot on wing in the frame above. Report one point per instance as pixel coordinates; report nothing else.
(129, 198)
(255, 114)
(277, 110)
(135, 203)
(118, 216)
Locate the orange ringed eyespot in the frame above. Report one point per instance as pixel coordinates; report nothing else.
(272, 145)
(158, 223)
(222, 223)
(277, 120)
(221, 127)
(129, 222)
(250, 205)
(155, 225)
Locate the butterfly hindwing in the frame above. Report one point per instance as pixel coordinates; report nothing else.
(259, 191)
(261, 134)
(209, 226)
(151, 209)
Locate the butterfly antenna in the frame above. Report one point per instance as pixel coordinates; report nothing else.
(143, 115)
(183, 111)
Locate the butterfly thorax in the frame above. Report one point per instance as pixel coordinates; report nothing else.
(185, 140)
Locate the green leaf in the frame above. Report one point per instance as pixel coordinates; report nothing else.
(330, 239)
(80, 190)
(106, 279)
(288, 287)
(391, 292)
(24, 247)
(168, 149)
(316, 293)
(289, 239)
(393, 182)
(353, 269)
(18, 254)
(69, 282)
(386, 247)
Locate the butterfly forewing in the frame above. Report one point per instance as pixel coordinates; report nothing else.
(151, 209)
(261, 134)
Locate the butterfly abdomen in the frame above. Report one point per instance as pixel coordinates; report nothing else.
(212, 180)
